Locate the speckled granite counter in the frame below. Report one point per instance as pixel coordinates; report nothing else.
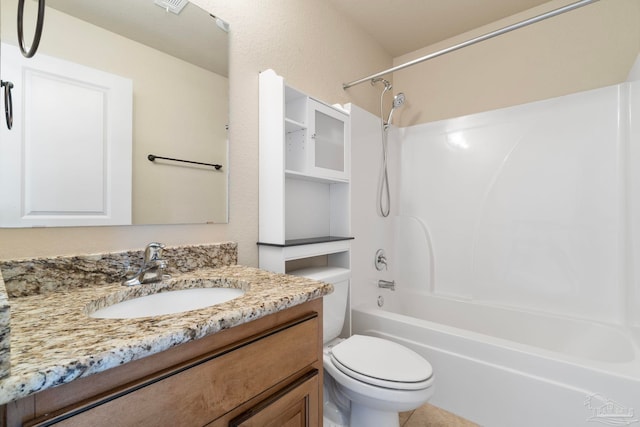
(5, 332)
(54, 341)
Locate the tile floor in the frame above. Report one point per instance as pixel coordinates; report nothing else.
(431, 416)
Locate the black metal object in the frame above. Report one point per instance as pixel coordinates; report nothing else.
(38, 33)
(152, 157)
(8, 102)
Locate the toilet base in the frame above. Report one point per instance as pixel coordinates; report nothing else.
(332, 415)
(335, 406)
(326, 422)
(365, 416)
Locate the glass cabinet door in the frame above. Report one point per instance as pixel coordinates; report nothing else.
(329, 139)
(329, 146)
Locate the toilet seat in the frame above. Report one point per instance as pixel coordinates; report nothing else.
(381, 363)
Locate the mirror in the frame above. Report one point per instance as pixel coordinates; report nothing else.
(112, 83)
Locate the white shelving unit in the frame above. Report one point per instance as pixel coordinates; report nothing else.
(304, 178)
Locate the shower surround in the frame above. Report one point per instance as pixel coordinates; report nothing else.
(532, 212)
(527, 206)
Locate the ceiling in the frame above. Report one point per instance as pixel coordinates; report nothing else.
(402, 26)
(399, 26)
(192, 35)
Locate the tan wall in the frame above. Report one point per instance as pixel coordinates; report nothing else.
(305, 41)
(587, 48)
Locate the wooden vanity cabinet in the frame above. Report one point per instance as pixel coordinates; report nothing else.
(290, 407)
(265, 372)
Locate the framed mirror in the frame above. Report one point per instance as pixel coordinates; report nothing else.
(113, 84)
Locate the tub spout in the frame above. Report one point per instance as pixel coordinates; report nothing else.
(387, 284)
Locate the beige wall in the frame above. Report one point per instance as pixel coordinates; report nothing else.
(587, 48)
(307, 42)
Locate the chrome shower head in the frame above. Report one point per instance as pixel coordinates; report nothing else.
(398, 101)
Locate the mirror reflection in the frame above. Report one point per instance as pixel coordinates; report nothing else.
(112, 83)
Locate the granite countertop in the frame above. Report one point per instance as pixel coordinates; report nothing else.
(54, 341)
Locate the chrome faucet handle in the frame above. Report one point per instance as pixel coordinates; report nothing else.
(153, 252)
(380, 260)
(152, 268)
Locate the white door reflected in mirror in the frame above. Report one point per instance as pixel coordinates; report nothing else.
(178, 66)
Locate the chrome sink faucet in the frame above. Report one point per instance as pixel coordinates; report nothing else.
(152, 268)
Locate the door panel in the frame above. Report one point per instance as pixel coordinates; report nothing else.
(67, 160)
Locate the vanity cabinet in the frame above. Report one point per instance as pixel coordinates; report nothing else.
(291, 407)
(304, 179)
(266, 372)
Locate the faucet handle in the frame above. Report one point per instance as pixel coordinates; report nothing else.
(153, 251)
(380, 260)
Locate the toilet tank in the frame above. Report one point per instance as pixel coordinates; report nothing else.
(334, 305)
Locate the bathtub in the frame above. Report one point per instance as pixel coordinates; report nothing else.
(498, 366)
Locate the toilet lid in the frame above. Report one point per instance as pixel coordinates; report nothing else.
(381, 362)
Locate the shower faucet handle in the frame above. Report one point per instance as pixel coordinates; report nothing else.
(380, 260)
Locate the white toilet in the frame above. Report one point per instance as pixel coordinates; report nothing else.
(367, 380)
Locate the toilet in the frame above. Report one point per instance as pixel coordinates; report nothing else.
(367, 380)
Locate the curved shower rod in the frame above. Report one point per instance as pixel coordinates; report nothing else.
(475, 40)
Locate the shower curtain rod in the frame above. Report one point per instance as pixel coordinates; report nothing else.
(475, 40)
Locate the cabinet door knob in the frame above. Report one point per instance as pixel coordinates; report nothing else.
(313, 136)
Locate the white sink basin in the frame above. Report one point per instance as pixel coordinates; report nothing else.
(170, 302)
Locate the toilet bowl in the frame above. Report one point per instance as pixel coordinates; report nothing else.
(378, 377)
(368, 380)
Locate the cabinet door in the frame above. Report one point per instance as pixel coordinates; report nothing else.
(295, 406)
(328, 155)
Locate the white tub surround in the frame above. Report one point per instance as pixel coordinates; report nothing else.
(527, 207)
(513, 249)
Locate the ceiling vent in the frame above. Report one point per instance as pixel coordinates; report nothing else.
(174, 6)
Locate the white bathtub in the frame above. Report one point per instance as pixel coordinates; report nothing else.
(503, 367)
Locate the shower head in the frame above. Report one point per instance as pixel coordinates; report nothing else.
(398, 101)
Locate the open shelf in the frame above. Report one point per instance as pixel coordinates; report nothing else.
(307, 177)
(291, 125)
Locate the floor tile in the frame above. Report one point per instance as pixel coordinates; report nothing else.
(432, 416)
(404, 416)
